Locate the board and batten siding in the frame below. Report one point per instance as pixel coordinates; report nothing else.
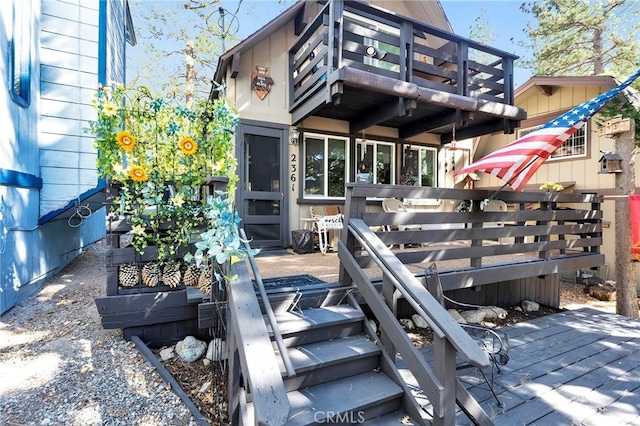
(583, 170)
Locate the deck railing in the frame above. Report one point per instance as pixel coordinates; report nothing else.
(252, 360)
(559, 234)
(540, 233)
(358, 35)
(437, 381)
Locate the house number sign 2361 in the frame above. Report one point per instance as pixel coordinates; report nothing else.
(293, 168)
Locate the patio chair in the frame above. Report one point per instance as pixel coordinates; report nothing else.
(393, 205)
(494, 206)
(323, 224)
(494, 342)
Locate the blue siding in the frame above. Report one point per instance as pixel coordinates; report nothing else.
(47, 161)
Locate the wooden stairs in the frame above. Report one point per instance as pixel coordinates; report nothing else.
(342, 376)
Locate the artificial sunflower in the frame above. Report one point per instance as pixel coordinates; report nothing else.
(110, 109)
(138, 174)
(188, 146)
(126, 141)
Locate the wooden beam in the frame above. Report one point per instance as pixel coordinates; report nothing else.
(235, 65)
(302, 19)
(396, 108)
(545, 90)
(488, 127)
(429, 125)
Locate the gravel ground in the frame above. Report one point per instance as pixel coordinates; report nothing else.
(59, 367)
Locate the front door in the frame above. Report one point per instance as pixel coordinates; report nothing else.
(261, 203)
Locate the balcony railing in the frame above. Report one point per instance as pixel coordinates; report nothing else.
(363, 38)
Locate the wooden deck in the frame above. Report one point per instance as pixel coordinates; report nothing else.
(579, 367)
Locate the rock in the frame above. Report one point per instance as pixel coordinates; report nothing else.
(190, 349)
(205, 387)
(407, 323)
(475, 316)
(493, 312)
(418, 321)
(166, 353)
(518, 308)
(206, 361)
(605, 292)
(456, 316)
(217, 350)
(373, 325)
(530, 306)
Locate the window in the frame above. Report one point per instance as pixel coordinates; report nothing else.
(575, 146)
(382, 170)
(325, 166)
(20, 53)
(419, 167)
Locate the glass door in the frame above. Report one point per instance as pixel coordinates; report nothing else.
(262, 204)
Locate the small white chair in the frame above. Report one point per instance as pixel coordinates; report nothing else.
(393, 205)
(323, 223)
(494, 206)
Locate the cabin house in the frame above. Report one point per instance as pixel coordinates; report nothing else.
(577, 165)
(333, 92)
(51, 200)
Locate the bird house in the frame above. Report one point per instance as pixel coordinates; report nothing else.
(610, 163)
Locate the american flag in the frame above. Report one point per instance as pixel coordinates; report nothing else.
(516, 162)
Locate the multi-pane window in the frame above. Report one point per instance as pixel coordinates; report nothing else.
(375, 162)
(419, 167)
(575, 146)
(325, 166)
(20, 52)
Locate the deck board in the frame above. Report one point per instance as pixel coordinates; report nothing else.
(574, 367)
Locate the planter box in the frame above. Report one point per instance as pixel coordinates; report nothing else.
(159, 315)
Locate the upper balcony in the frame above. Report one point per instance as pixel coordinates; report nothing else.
(362, 64)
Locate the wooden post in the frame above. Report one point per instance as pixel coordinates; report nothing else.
(626, 297)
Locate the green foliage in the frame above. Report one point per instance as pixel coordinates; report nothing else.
(220, 244)
(577, 37)
(161, 153)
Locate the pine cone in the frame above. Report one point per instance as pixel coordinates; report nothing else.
(128, 275)
(171, 275)
(205, 280)
(151, 274)
(191, 275)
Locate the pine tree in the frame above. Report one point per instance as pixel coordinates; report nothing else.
(583, 37)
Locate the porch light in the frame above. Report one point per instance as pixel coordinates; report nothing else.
(370, 51)
(293, 136)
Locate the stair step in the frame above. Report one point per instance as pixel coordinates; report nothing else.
(330, 360)
(396, 418)
(349, 400)
(317, 324)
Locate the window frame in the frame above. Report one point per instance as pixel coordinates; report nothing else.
(20, 53)
(434, 163)
(376, 143)
(325, 190)
(585, 142)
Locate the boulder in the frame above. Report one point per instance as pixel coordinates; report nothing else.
(530, 306)
(493, 312)
(407, 323)
(418, 321)
(190, 349)
(474, 316)
(456, 316)
(217, 350)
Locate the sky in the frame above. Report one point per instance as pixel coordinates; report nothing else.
(503, 16)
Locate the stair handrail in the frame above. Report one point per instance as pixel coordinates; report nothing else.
(417, 295)
(284, 354)
(257, 359)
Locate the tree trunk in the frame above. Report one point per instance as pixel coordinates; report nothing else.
(627, 297)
